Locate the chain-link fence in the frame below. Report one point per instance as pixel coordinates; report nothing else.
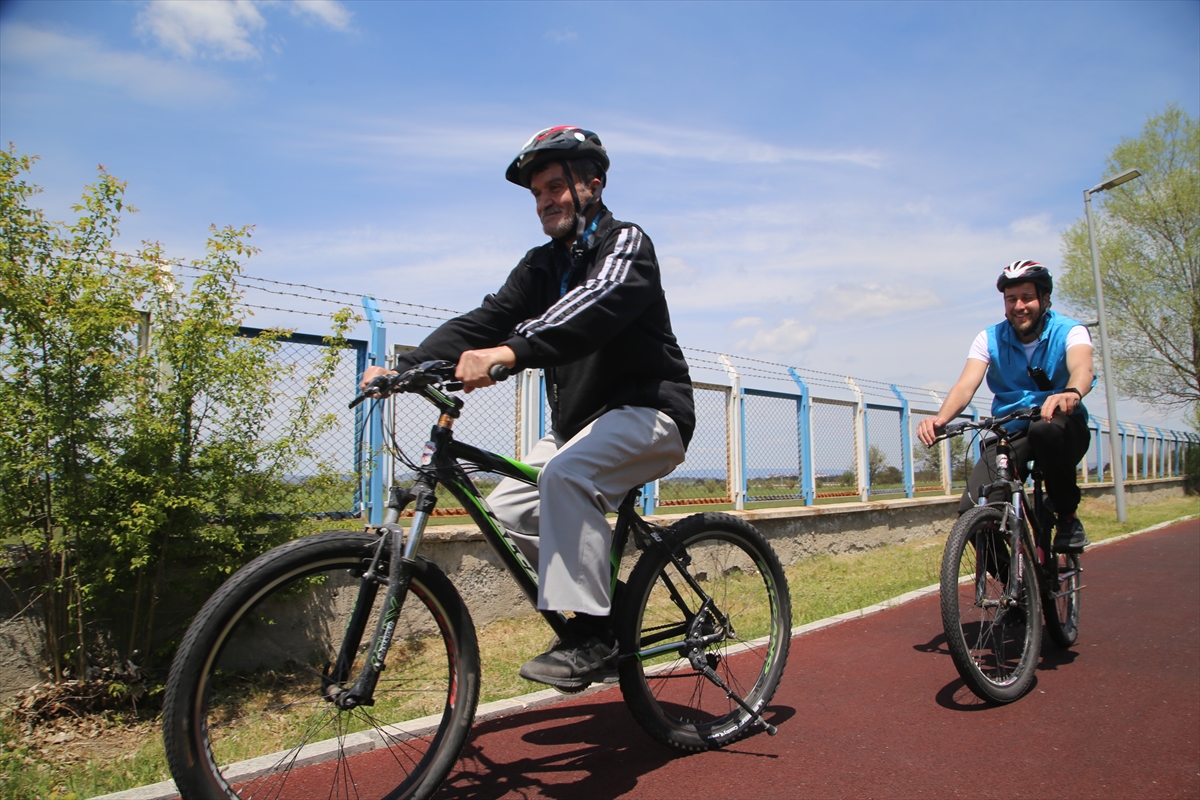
(326, 484)
(927, 461)
(835, 459)
(885, 453)
(771, 447)
(763, 446)
(489, 421)
(703, 477)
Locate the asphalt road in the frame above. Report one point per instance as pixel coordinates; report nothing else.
(874, 708)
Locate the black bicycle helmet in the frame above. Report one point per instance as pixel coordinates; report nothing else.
(555, 144)
(1026, 271)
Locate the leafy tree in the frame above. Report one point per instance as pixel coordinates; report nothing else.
(927, 461)
(133, 467)
(1148, 237)
(880, 471)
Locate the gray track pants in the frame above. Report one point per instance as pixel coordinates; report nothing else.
(560, 525)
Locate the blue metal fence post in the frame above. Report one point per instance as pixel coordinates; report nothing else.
(905, 442)
(808, 481)
(377, 355)
(360, 423)
(1145, 447)
(1160, 445)
(1099, 451)
(974, 439)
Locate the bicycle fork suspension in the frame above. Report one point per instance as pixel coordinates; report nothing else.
(400, 562)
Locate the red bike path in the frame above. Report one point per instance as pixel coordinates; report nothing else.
(873, 707)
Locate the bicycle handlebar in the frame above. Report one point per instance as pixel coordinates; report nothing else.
(953, 429)
(499, 372)
(429, 373)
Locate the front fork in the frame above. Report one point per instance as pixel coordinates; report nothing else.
(401, 553)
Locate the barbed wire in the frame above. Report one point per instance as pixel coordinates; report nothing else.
(357, 296)
(869, 387)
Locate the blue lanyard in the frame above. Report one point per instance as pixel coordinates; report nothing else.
(583, 242)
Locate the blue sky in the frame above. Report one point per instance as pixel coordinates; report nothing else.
(828, 185)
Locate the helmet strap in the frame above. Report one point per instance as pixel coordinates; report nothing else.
(580, 213)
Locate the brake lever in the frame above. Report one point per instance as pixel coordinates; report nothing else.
(380, 387)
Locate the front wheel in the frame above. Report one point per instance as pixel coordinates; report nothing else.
(994, 637)
(730, 613)
(249, 708)
(1062, 600)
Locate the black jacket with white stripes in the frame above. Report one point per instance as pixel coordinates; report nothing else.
(605, 343)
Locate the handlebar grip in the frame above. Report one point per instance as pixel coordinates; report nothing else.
(499, 372)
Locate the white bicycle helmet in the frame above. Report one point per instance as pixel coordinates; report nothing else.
(1026, 271)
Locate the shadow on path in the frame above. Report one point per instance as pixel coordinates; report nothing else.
(594, 750)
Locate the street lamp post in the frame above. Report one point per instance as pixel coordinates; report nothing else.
(1110, 381)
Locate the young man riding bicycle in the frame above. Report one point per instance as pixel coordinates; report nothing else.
(589, 308)
(1035, 357)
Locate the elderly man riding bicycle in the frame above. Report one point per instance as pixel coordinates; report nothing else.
(587, 306)
(1036, 357)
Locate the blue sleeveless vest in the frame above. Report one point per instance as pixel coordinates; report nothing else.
(1008, 376)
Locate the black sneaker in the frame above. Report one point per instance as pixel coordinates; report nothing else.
(573, 664)
(1070, 537)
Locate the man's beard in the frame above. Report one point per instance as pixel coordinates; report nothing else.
(1031, 324)
(560, 225)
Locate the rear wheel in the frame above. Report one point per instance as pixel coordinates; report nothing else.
(248, 712)
(735, 620)
(1062, 600)
(994, 639)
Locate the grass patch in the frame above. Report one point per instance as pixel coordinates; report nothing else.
(92, 757)
(89, 758)
(1100, 518)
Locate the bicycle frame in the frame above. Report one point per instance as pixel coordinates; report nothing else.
(442, 463)
(1017, 507)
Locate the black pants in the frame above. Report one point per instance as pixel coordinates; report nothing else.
(1057, 446)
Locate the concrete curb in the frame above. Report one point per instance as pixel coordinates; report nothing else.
(363, 742)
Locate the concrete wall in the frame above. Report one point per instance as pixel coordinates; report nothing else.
(796, 533)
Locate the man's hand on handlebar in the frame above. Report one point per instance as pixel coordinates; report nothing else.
(929, 428)
(474, 366)
(370, 374)
(1066, 403)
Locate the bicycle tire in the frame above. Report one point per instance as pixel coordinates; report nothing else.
(247, 682)
(668, 697)
(1061, 603)
(995, 651)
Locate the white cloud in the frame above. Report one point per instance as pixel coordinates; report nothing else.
(453, 146)
(781, 340)
(330, 12)
(1037, 225)
(871, 301)
(730, 148)
(677, 270)
(561, 35)
(87, 61)
(225, 29)
(746, 322)
(221, 28)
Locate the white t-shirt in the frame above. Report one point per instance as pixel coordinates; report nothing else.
(979, 348)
